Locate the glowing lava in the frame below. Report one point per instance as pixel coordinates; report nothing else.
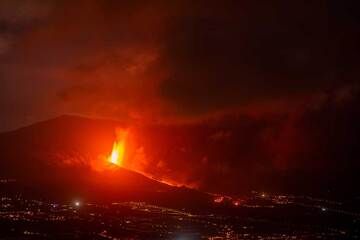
(118, 152)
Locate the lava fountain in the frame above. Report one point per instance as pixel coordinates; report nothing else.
(117, 154)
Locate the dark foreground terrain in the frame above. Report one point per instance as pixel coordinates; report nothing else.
(48, 190)
(259, 216)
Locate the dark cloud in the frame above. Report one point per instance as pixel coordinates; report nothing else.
(254, 51)
(171, 60)
(314, 149)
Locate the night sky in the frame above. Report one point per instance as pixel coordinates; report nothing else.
(172, 60)
(287, 72)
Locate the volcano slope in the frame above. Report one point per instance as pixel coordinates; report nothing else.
(52, 159)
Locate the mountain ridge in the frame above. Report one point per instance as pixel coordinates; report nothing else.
(25, 155)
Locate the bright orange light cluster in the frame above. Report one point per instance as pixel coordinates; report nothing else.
(219, 199)
(118, 152)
